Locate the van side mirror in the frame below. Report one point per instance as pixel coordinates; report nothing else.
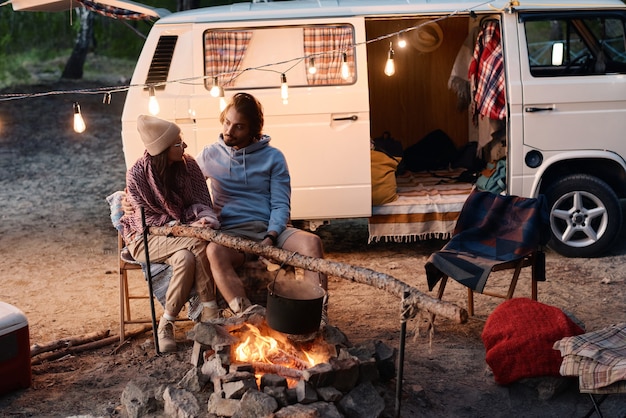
(557, 53)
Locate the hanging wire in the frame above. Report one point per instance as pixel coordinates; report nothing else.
(199, 80)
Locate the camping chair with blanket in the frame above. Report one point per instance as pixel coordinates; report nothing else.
(494, 232)
(160, 274)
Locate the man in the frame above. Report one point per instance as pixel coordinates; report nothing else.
(251, 190)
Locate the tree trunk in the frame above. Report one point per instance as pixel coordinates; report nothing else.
(188, 4)
(74, 66)
(416, 299)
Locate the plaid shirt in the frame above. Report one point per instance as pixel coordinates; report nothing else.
(486, 72)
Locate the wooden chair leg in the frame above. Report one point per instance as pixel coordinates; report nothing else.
(470, 302)
(123, 300)
(518, 270)
(442, 287)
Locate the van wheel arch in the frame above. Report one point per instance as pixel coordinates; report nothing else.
(585, 215)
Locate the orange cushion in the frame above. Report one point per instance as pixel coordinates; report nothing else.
(384, 186)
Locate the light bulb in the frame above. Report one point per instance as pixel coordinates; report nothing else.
(284, 89)
(153, 104)
(401, 41)
(312, 69)
(79, 123)
(390, 67)
(215, 89)
(345, 69)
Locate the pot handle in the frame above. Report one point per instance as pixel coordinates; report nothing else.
(279, 269)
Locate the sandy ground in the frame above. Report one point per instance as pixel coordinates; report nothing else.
(58, 265)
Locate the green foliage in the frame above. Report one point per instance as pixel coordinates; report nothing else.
(43, 42)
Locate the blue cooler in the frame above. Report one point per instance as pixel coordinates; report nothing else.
(15, 371)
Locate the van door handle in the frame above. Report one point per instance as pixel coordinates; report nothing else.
(353, 117)
(538, 109)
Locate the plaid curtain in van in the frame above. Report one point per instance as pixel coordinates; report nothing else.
(223, 55)
(326, 44)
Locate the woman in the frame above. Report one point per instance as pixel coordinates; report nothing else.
(170, 187)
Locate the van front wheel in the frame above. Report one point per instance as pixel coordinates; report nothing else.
(585, 216)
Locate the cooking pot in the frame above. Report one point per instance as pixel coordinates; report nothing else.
(294, 306)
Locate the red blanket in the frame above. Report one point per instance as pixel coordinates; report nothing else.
(519, 336)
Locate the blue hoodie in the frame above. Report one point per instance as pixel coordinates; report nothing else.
(249, 184)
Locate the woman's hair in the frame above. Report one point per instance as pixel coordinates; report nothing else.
(250, 108)
(166, 172)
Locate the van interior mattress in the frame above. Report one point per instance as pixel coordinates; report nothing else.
(427, 207)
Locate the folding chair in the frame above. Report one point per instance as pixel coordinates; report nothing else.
(493, 233)
(126, 264)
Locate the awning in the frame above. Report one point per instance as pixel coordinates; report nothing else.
(116, 9)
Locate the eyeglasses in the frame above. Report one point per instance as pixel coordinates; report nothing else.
(180, 144)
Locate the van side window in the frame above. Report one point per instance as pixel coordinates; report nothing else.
(320, 55)
(575, 44)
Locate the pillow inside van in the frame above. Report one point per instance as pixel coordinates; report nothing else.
(384, 186)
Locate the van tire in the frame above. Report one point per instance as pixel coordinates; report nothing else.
(585, 216)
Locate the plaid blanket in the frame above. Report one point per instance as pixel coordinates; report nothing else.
(597, 358)
(427, 206)
(491, 229)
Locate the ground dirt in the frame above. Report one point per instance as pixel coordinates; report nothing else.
(59, 266)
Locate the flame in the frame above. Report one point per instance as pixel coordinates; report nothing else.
(257, 347)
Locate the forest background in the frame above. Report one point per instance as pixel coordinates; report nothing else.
(36, 46)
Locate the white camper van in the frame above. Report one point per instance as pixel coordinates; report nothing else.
(546, 95)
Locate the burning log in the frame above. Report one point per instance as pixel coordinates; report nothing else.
(390, 284)
(284, 371)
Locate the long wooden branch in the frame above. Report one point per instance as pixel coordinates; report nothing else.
(36, 349)
(80, 344)
(390, 284)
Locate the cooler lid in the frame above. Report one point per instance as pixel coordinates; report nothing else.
(11, 319)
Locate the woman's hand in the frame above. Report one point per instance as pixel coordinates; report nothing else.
(126, 206)
(206, 221)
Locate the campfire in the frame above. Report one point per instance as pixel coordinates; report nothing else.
(258, 346)
(242, 353)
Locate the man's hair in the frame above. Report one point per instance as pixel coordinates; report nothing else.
(250, 108)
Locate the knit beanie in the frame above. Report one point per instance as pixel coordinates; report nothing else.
(157, 134)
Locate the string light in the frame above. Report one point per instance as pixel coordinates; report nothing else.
(312, 68)
(79, 123)
(215, 89)
(345, 72)
(345, 69)
(153, 104)
(284, 89)
(390, 67)
(401, 41)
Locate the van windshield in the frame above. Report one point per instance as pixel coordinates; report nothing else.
(576, 44)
